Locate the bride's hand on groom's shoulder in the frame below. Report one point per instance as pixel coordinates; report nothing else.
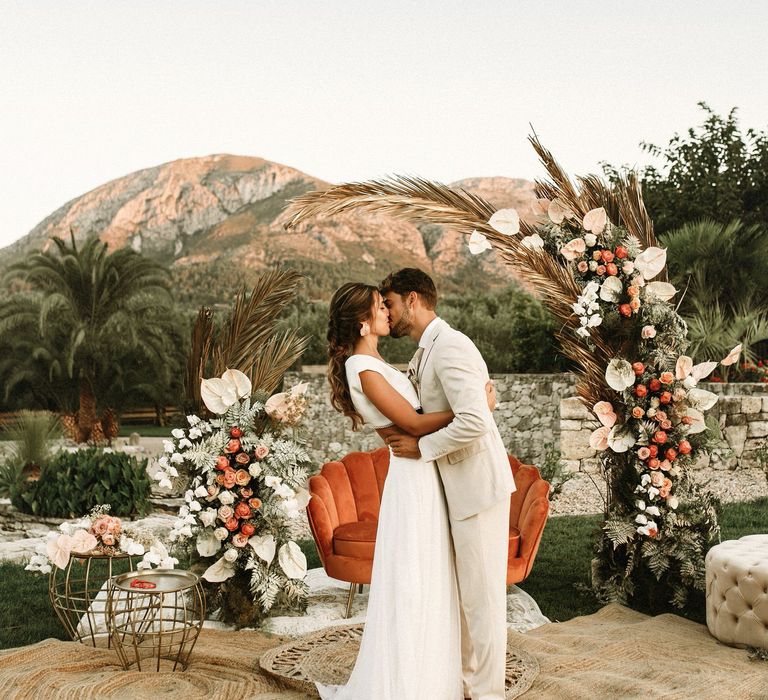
(404, 446)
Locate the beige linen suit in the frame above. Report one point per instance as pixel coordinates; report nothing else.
(473, 465)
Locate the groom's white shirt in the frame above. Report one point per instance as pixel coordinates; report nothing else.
(469, 451)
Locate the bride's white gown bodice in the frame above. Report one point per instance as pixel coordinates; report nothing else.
(411, 647)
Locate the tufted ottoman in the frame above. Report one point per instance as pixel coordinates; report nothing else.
(737, 591)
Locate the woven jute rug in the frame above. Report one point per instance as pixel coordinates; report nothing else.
(328, 657)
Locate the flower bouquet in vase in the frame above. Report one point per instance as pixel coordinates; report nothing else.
(245, 471)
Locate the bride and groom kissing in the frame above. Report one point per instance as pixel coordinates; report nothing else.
(436, 620)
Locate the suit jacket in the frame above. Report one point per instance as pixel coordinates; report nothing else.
(469, 452)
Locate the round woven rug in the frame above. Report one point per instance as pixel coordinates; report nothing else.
(328, 656)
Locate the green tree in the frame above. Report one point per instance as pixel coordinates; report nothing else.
(714, 171)
(84, 314)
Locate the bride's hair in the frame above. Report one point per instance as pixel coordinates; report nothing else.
(351, 304)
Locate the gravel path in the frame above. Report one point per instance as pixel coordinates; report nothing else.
(580, 495)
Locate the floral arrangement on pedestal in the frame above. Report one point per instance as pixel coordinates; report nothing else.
(594, 260)
(103, 534)
(245, 472)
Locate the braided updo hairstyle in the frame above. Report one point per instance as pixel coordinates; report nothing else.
(352, 303)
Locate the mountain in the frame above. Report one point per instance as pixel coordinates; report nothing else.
(218, 220)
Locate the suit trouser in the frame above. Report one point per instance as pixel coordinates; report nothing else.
(481, 544)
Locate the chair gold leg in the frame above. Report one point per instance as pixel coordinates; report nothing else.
(350, 598)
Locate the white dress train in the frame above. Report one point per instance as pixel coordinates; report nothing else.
(411, 646)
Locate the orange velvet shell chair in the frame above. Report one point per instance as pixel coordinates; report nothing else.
(344, 511)
(528, 513)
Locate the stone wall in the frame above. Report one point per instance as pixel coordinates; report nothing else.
(742, 413)
(527, 414)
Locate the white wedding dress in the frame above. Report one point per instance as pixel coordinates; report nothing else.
(411, 646)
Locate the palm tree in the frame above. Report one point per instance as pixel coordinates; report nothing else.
(85, 302)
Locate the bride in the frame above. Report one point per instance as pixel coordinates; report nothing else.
(411, 646)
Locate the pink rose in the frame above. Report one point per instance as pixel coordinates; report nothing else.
(648, 332)
(228, 478)
(239, 540)
(225, 513)
(213, 491)
(665, 465)
(582, 266)
(108, 539)
(657, 479)
(242, 477)
(261, 452)
(666, 424)
(643, 453)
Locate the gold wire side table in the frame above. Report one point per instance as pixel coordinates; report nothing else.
(79, 594)
(155, 616)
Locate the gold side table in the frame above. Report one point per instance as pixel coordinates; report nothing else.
(79, 595)
(155, 616)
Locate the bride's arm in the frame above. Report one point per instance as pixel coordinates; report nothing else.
(393, 405)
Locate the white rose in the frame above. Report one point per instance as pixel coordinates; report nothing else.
(231, 555)
(195, 507)
(208, 517)
(176, 458)
(221, 533)
(254, 470)
(226, 498)
(590, 239)
(273, 482)
(168, 446)
(592, 265)
(628, 267)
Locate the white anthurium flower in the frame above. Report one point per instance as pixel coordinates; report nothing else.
(619, 375)
(640, 519)
(264, 546)
(701, 399)
(303, 497)
(663, 291)
(621, 438)
(478, 243)
(506, 221)
(558, 211)
(651, 262)
(698, 425)
(595, 220)
(220, 571)
(217, 395)
(611, 289)
(207, 545)
(683, 367)
(208, 517)
(598, 440)
(273, 482)
(534, 241)
(178, 433)
(290, 507)
(732, 357)
(292, 561)
(573, 249)
(59, 549)
(239, 380)
(702, 370)
(653, 510)
(284, 491)
(201, 492)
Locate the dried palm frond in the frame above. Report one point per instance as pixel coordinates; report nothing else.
(253, 319)
(199, 355)
(275, 358)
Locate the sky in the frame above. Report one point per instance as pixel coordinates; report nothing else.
(92, 91)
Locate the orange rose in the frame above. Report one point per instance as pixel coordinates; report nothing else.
(247, 529)
(671, 454)
(633, 291)
(242, 458)
(653, 463)
(684, 447)
(665, 397)
(666, 425)
(634, 304)
(597, 255)
(242, 510)
(232, 446)
(667, 377)
(607, 256)
(625, 310)
(654, 384)
(235, 432)
(254, 503)
(246, 492)
(638, 368)
(239, 540)
(222, 462)
(665, 466)
(231, 524)
(660, 437)
(621, 252)
(242, 477)
(660, 416)
(637, 412)
(600, 270)
(230, 478)
(611, 269)
(641, 390)
(653, 450)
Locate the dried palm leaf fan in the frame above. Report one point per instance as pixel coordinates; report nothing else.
(248, 340)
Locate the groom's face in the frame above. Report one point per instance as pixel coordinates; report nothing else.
(400, 315)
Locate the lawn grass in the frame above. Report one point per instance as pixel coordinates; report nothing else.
(559, 581)
(148, 430)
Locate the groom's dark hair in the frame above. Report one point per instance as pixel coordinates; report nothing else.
(411, 279)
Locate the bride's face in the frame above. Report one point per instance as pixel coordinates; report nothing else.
(379, 317)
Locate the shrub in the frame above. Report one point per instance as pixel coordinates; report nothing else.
(71, 483)
(553, 470)
(32, 433)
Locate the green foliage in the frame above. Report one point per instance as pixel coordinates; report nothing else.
(71, 483)
(553, 470)
(32, 433)
(714, 171)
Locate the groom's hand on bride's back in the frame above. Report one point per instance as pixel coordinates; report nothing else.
(404, 446)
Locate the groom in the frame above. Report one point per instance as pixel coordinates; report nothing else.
(450, 374)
